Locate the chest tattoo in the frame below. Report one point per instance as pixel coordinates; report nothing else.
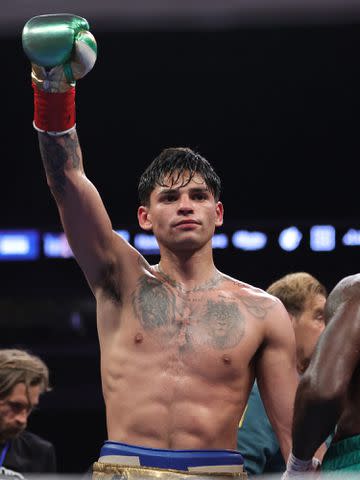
(224, 324)
(154, 304)
(189, 318)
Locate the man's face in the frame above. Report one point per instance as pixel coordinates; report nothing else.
(308, 327)
(15, 410)
(182, 216)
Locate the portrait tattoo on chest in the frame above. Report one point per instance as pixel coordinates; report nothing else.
(190, 318)
(224, 323)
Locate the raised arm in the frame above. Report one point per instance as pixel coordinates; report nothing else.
(83, 215)
(62, 50)
(276, 374)
(326, 383)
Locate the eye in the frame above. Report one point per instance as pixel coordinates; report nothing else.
(170, 197)
(200, 196)
(319, 317)
(16, 407)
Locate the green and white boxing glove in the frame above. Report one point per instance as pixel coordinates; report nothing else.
(61, 50)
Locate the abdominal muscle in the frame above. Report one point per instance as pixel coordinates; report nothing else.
(163, 398)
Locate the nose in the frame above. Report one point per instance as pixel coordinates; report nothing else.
(21, 418)
(185, 205)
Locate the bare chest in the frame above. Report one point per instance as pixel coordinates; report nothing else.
(193, 319)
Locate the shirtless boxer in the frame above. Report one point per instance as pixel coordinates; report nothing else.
(181, 343)
(329, 393)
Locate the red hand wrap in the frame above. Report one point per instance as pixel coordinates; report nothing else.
(54, 112)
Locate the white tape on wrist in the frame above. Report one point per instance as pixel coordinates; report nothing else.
(55, 134)
(294, 464)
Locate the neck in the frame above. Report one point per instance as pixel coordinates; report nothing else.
(189, 275)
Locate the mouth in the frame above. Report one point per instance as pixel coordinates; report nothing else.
(187, 223)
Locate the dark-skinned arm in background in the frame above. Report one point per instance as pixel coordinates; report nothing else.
(324, 387)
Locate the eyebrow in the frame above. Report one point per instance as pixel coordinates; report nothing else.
(191, 190)
(27, 406)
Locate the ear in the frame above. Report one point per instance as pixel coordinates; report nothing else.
(144, 218)
(219, 214)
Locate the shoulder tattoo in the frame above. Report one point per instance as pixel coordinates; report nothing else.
(258, 307)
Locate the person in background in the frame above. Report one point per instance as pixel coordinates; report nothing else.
(304, 298)
(328, 395)
(23, 378)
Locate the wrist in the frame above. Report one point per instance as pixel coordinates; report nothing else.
(54, 112)
(295, 464)
(57, 79)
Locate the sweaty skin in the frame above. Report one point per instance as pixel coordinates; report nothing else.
(329, 392)
(192, 370)
(181, 343)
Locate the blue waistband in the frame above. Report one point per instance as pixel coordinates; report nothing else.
(173, 459)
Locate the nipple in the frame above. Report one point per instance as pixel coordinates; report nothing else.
(138, 338)
(226, 359)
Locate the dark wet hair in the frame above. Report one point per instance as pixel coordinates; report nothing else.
(172, 164)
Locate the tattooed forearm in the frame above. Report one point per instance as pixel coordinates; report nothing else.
(54, 158)
(58, 153)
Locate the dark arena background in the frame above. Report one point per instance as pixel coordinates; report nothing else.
(269, 94)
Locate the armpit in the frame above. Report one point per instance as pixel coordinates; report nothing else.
(109, 281)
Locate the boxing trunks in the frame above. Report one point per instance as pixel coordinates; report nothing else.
(343, 455)
(130, 462)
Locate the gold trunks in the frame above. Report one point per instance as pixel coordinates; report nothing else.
(112, 471)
